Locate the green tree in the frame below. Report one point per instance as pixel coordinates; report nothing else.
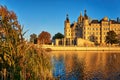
(33, 38)
(93, 38)
(58, 36)
(118, 38)
(111, 38)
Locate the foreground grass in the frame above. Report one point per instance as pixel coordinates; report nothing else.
(20, 60)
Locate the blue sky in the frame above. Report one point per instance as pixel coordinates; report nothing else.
(49, 15)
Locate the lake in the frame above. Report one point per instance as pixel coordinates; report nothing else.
(86, 65)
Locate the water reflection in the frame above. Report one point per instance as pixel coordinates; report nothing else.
(59, 67)
(86, 65)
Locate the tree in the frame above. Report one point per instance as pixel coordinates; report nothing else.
(12, 46)
(19, 60)
(44, 38)
(118, 38)
(93, 38)
(33, 38)
(111, 38)
(58, 36)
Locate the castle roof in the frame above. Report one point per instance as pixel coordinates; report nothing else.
(71, 25)
(94, 21)
(114, 22)
(67, 19)
(85, 14)
(105, 19)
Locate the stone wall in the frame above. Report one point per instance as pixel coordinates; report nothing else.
(77, 48)
(83, 42)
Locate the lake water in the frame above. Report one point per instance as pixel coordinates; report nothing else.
(86, 65)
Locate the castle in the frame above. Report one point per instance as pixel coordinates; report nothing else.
(86, 31)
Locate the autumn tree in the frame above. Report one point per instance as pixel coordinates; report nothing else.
(33, 38)
(58, 36)
(111, 38)
(19, 60)
(44, 38)
(11, 44)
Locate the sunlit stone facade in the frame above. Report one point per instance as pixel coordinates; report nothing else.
(88, 30)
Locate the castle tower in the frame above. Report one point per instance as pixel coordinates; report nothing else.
(80, 18)
(86, 20)
(67, 29)
(85, 25)
(85, 14)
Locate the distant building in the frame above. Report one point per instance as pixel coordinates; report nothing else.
(88, 30)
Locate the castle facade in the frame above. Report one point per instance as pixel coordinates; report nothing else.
(88, 31)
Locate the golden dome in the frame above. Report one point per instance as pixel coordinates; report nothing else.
(105, 18)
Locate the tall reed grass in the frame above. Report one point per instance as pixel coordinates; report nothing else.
(20, 60)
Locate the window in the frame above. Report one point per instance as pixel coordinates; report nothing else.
(0, 17)
(104, 33)
(96, 37)
(93, 28)
(84, 32)
(76, 34)
(105, 38)
(84, 37)
(88, 37)
(96, 28)
(106, 24)
(90, 33)
(96, 33)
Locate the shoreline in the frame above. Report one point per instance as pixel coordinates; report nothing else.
(77, 48)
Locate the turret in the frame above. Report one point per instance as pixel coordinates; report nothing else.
(86, 20)
(85, 14)
(67, 22)
(67, 29)
(80, 18)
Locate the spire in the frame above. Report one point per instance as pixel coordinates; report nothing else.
(80, 18)
(67, 18)
(85, 14)
(80, 13)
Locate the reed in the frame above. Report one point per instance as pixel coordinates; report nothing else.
(20, 60)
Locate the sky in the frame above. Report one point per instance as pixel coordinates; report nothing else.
(49, 15)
